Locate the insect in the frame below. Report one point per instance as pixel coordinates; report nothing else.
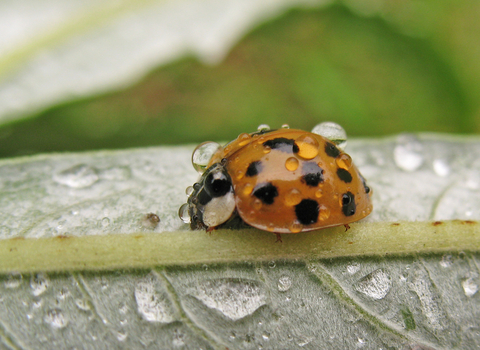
(282, 181)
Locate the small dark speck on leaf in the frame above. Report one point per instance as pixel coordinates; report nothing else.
(436, 223)
(395, 224)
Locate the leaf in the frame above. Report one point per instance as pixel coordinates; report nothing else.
(355, 298)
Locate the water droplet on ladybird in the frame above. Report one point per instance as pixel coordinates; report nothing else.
(319, 193)
(293, 197)
(202, 154)
(307, 146)
(408, 153)
(247, 189)
(291, 164)
(267, 149)
(284, 283)
(243, 139)
(295, 227)
(263, 127)
(56, 319)
(239, 174)
(324, 213)
(441, 167)
(470, 288)
(376, 284)
(78, 176)
(344, 161)
(183, 213)
(257, 204)
(189, 190)
(332, 131)
(285, 126)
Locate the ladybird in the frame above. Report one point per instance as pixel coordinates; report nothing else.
(282, 181)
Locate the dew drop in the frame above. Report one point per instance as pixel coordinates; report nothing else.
(272, 264)
(265, 336)
(375, 285)
(293, 197)
(295, 227)
(122, 336)
(78, 176)
(39, 284)
(257, 204)
(263, 127)
(202, 155)
(150, 220)
(189, 190)
(441, 167)
(234, 298)
(344, 161)
(324, 213)
(470, 288)
(319, 193)
(353, 268)
(446, 261)
(13, 280)
(150, 303)
(183, 213)
(332, 131)
(307, 146)
(239, 174)
(408, 153)
(56, 319)
(284, 283)
(105, 222)
(291, 164)
(243, 139)
(247, 189)
(285, 126)
(82, 304)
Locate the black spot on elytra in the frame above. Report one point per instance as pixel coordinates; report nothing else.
(307, 212)
(344, 175)
(367, 189)
(254, 168)
(282, 144)
(266, 192)
(348, 204)
(332, 150)
(312, 174)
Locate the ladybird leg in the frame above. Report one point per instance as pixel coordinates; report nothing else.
(279, 237)
(211, 228)
(347, 227)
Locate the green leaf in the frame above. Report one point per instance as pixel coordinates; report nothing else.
(83, 267)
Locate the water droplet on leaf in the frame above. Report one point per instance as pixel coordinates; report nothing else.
(78, 176)
(332, 131)
(376, 284)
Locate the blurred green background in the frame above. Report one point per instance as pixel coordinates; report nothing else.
(414, 66)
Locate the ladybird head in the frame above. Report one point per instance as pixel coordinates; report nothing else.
(212, 201)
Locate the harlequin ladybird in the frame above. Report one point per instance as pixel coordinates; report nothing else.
(282, 181)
